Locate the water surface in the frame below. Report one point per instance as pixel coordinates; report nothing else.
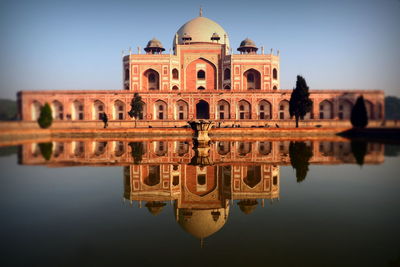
(118, 202)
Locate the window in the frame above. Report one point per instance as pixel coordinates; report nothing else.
(201, 88)
(227, 74)
(275, 74)
(175, 74)
(175, 87)
(201, 75)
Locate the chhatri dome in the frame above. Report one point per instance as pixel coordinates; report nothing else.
(201, 30)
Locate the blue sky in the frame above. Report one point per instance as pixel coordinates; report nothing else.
(77, 44)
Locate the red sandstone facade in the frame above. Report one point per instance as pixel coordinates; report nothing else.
(200, 78)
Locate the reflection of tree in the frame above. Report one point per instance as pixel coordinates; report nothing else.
(46, 149)
(359, 149)
(300, 155)
(137, 151)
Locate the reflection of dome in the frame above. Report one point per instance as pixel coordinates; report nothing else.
(201, 30)
(202, 223)
(155, 207)
(247, 206)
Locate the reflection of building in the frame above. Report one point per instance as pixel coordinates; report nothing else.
(245, 171)
(179, 152)
(200, 77)
(201, 194)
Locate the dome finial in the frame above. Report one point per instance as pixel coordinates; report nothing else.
(201, 11)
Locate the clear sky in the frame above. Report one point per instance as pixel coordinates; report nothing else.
(342, 44)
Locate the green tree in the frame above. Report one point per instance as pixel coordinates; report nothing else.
(46, 118)
(137, 151)
(136, 107)
(359, 116)
(300, 155)
(300, 103)
(46, 149)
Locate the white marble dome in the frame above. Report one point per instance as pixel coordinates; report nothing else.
(201, 29)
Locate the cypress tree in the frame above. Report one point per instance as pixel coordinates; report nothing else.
(300, 103)
(45, 119)
(359, 116)
(136, 107)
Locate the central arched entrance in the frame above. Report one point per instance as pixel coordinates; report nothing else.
(202, 110)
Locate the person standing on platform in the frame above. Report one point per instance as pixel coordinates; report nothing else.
(105, 120)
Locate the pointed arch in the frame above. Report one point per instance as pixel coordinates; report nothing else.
(119, 110)
(35, 110)
(160, 148)
(326, 109)
(77, 110)
(345, 107)
(98, 110)
(243, 148)
(151, 79)
(181, 110)
(264, 148)
(153, 175)
(58, 110)
(223, 108)
(253, 175)
(370, 109)
(203, 73)
(223, 147)
(264, 110)
(119, 148)
(244, 110)
(284, 110)
(252, 79)
(202, 110)
(160, 109)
